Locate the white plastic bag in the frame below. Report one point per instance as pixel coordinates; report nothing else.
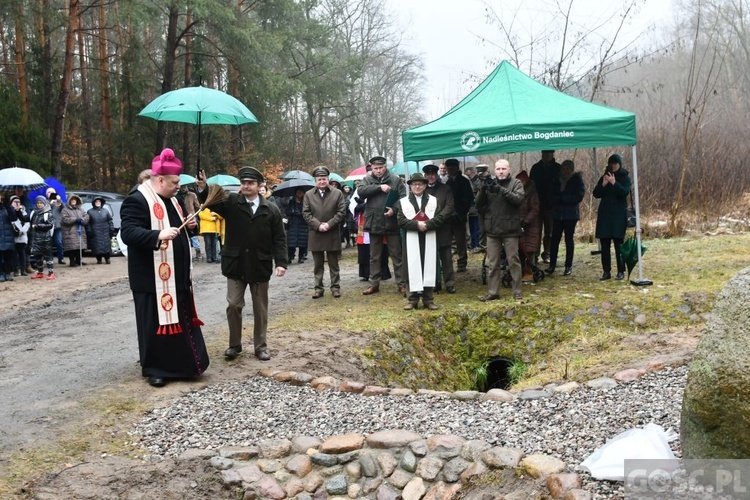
(608, 461)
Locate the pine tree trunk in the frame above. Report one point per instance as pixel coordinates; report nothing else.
(62, 100)
(23, 84)
(91, 166)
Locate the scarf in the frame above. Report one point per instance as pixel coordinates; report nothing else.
(166, 291)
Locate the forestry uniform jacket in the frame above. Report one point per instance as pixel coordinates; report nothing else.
(375, 220)
(252, 242)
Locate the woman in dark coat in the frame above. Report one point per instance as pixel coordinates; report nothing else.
(567, 193)
(100, 230)
(611, 218)
(296, 227)
(7, 240)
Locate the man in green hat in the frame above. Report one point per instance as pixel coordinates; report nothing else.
(324, 209)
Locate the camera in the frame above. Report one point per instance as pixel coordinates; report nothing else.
(490, 181)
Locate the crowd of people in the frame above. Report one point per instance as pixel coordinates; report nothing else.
(33, 233)
(413, 226)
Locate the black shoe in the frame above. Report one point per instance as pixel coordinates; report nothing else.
(605, 276)
(61, 262)
(232, 353)
(551, 269)
(461, 270)
(263, 355)
(620, 276)
(157, 382)
(450, 289)
(568, 271)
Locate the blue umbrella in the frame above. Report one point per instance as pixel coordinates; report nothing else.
(54, 184)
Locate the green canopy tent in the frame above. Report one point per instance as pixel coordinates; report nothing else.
(511, 112)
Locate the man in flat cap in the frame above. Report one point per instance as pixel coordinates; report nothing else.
(382, 191)
(419, 217)
(324, 210)
(254, 249)
(170, 341)
(463, 199)
(543, 173)
(444, 197)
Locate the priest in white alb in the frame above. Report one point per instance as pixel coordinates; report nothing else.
(419, 218)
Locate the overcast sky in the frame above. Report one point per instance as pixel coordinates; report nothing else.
(446, 33)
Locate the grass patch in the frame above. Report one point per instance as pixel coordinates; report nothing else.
(563, 329)
(110, 416)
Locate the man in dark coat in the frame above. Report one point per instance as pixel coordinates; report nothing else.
(501, 201)
(444, 197)
(382, 191)
(543, 173)
(170, 341)
(463, 199)
(254, 239)
(324, 209)
(611, 217)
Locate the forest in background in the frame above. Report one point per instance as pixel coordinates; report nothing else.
(332, 82)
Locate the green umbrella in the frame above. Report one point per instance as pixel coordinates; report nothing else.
(199, 106)
(186, 179)
(629, 253)
(406, 168)
(333, 176)
(223, 180)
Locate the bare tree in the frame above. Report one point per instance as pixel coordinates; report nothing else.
(706, 61)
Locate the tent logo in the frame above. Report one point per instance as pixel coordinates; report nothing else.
(470, 141)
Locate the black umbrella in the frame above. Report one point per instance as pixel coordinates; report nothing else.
(288, 188)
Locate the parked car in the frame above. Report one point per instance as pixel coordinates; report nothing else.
(88, 196)
(112, 203)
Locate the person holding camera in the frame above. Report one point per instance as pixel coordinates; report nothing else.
(611, 216)
(500, 199)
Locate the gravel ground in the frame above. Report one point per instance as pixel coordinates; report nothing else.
(568, 426)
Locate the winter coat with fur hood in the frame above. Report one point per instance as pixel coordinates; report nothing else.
(74, 222)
